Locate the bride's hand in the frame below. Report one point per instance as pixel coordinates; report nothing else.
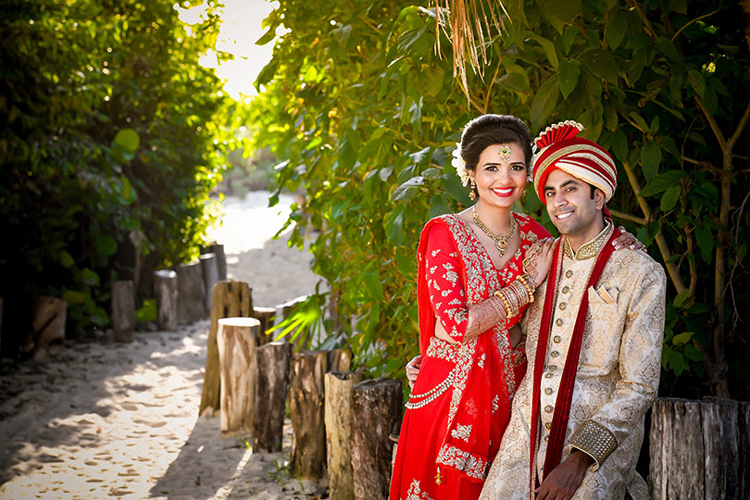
(627, 240)
(539, 259)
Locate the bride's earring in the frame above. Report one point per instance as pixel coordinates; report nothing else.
(473, 192)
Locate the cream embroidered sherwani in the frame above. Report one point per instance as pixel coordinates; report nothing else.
(616, 381)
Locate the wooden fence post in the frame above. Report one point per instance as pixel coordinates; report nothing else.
(265, 315)
(338, 419)
(306, 398)
(377, 404)
(191, 302)
(210, 277)
(123, 311)
(221, 260)
(696, 449)
(339, 360)
(230, 299)
(48, 315)
(165, 289)
(271, 387)
(236, 338)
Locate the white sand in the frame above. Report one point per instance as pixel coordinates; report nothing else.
(106, 420)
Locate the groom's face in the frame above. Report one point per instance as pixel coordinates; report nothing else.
(572, 204)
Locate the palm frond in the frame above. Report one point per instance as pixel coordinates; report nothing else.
(469, 25)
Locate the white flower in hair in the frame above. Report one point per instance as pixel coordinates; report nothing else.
(460, 165)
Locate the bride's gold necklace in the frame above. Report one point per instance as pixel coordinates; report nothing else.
(501, 240)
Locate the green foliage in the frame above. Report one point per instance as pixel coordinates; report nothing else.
(365, 114)
(109, 145)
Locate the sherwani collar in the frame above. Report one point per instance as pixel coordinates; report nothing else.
(591, 248)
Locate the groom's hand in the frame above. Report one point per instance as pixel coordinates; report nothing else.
(564, 480)
(412, 370)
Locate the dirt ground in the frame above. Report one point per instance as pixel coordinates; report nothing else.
(110, 420)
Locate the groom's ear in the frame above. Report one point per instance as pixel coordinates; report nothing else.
(599, 198)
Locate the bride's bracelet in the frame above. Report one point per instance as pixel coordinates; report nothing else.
(514, 297)
(528, 284)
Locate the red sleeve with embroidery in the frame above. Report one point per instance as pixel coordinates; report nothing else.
(445, 283)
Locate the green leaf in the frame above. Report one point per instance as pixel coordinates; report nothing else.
(72, 297)
(514, 82)
(147, 312)
(372, 282)
(662, 182)
(90, 277)
(406, 190)
(670, 198)
(544, 103)
(692, 353)
(667, 48)
(639, 121)
(676, 362)
(568, 74)
(66, 260)
(128, 140)
(106, 245)
(680, 299)
(705, 239)
(547, 46)
(682, 338)
(267, 37)
(697, 82)
(650, 159)
(617, 26)
(601, 63)
(620, 145)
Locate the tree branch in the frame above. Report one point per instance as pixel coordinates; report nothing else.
(712, 123)
(740, 127)
(646, 23)
(625, 216)
(693, 21)
(661, 241)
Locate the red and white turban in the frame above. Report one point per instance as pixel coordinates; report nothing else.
(584, 159)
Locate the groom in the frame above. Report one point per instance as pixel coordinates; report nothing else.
(594, 343)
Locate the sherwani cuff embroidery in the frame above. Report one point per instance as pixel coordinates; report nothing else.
(596, 441)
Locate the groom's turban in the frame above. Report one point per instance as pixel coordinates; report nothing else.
(584, 159)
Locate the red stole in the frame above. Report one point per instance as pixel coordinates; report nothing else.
(565, 394)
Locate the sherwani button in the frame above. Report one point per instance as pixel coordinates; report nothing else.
(548, 425)
(552, 367)
(557, 338)
(549, 375)
(546, 438)
(549, 409)
(565, 289)
(568, 273)
(554, 354)
(559, 321)
(548, 391)
(563, 305)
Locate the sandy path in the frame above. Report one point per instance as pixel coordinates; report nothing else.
(106, 420)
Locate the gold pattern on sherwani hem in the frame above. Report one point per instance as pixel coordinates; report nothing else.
(616, 381)
(596, 441)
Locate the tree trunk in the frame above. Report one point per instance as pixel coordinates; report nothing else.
(338, 419)
(265, 315)
(377, 404)
(236, 340)
(696, 449)
(165, 289)
(48, 315)
(191, 302)
(271, 388)
(210, 277)
(231, 299)
(339, 360)
(123, 311)
(306, 397)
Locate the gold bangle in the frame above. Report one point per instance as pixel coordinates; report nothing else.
(508, 311)
(522, 280)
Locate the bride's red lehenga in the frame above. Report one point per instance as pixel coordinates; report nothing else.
(460, 404)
